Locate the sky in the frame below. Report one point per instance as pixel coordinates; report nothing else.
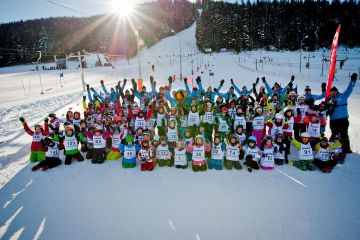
(16, 10)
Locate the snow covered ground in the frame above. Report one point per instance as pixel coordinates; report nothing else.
(82, 201)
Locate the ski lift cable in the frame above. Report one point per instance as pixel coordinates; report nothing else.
(66, 7)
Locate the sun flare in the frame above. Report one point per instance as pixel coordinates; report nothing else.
(123, 8)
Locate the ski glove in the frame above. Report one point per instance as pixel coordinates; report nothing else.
(22, 119)
(354, 77)
(323, 87)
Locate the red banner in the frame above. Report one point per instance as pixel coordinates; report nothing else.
(332, 61)
(140, 84)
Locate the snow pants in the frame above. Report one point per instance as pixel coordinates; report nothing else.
(148, 166)
(37, 156)
(98, 155)
(127, 163)
(325, 166)
(166, 162)
(49, 162)
(199, 167)
(251, 164)
(340, 127)
(228, 164)
(69, 157)
(304, 165)
(216, 163)
(259, 134)
(112, 155)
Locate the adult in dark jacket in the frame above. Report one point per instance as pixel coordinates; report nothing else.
(339, 116)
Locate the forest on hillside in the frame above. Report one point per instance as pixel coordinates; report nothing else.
(277, 24)
(21, 40)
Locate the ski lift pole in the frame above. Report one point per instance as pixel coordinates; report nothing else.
(82, 72)
(38, 66)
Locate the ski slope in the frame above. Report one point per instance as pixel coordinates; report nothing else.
(83, 201)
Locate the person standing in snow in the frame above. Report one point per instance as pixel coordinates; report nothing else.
(339, 116)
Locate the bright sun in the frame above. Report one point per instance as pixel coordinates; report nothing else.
(122, 8)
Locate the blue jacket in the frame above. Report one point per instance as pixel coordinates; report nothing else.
(113, 95)
(173, 101)
(341, 109)
(123, 147)
(210, 94)
(227, 95)
(191, 94)
(240, 92)
(315, 97)
(281, 91)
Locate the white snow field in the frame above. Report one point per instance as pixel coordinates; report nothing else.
(85, 201)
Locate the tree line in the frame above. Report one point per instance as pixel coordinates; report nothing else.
(107, 33)
(277, 24)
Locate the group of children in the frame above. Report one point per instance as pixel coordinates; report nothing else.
(205, 128)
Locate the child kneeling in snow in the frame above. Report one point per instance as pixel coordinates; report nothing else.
(145, 156)
(337, 153)
(99, 144)
(233, 154)
(163, 154)
(280, 151)
(71, 141)
(306, 156)
(180, 160)
(251, 154)
(129, 150)
(198, 149)
(217, 153)
(323, 158)
(267, 161)
(114, 153)
(52, 155)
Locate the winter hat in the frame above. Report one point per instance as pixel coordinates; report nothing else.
(163, 138)
(334, 89)
(252, 139)
(129, 139)
(68, 127)
(307, 88)
(301, 97)
(279, 116)
(305, 135)
(98, 130)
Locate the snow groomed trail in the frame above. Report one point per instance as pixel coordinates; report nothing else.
(83, 201)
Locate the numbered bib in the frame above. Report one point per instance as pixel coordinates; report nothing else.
(70, 143)
(306, 152)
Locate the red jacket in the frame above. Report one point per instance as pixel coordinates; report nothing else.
(36, 144)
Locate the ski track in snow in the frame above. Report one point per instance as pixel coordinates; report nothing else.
(83, 201)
